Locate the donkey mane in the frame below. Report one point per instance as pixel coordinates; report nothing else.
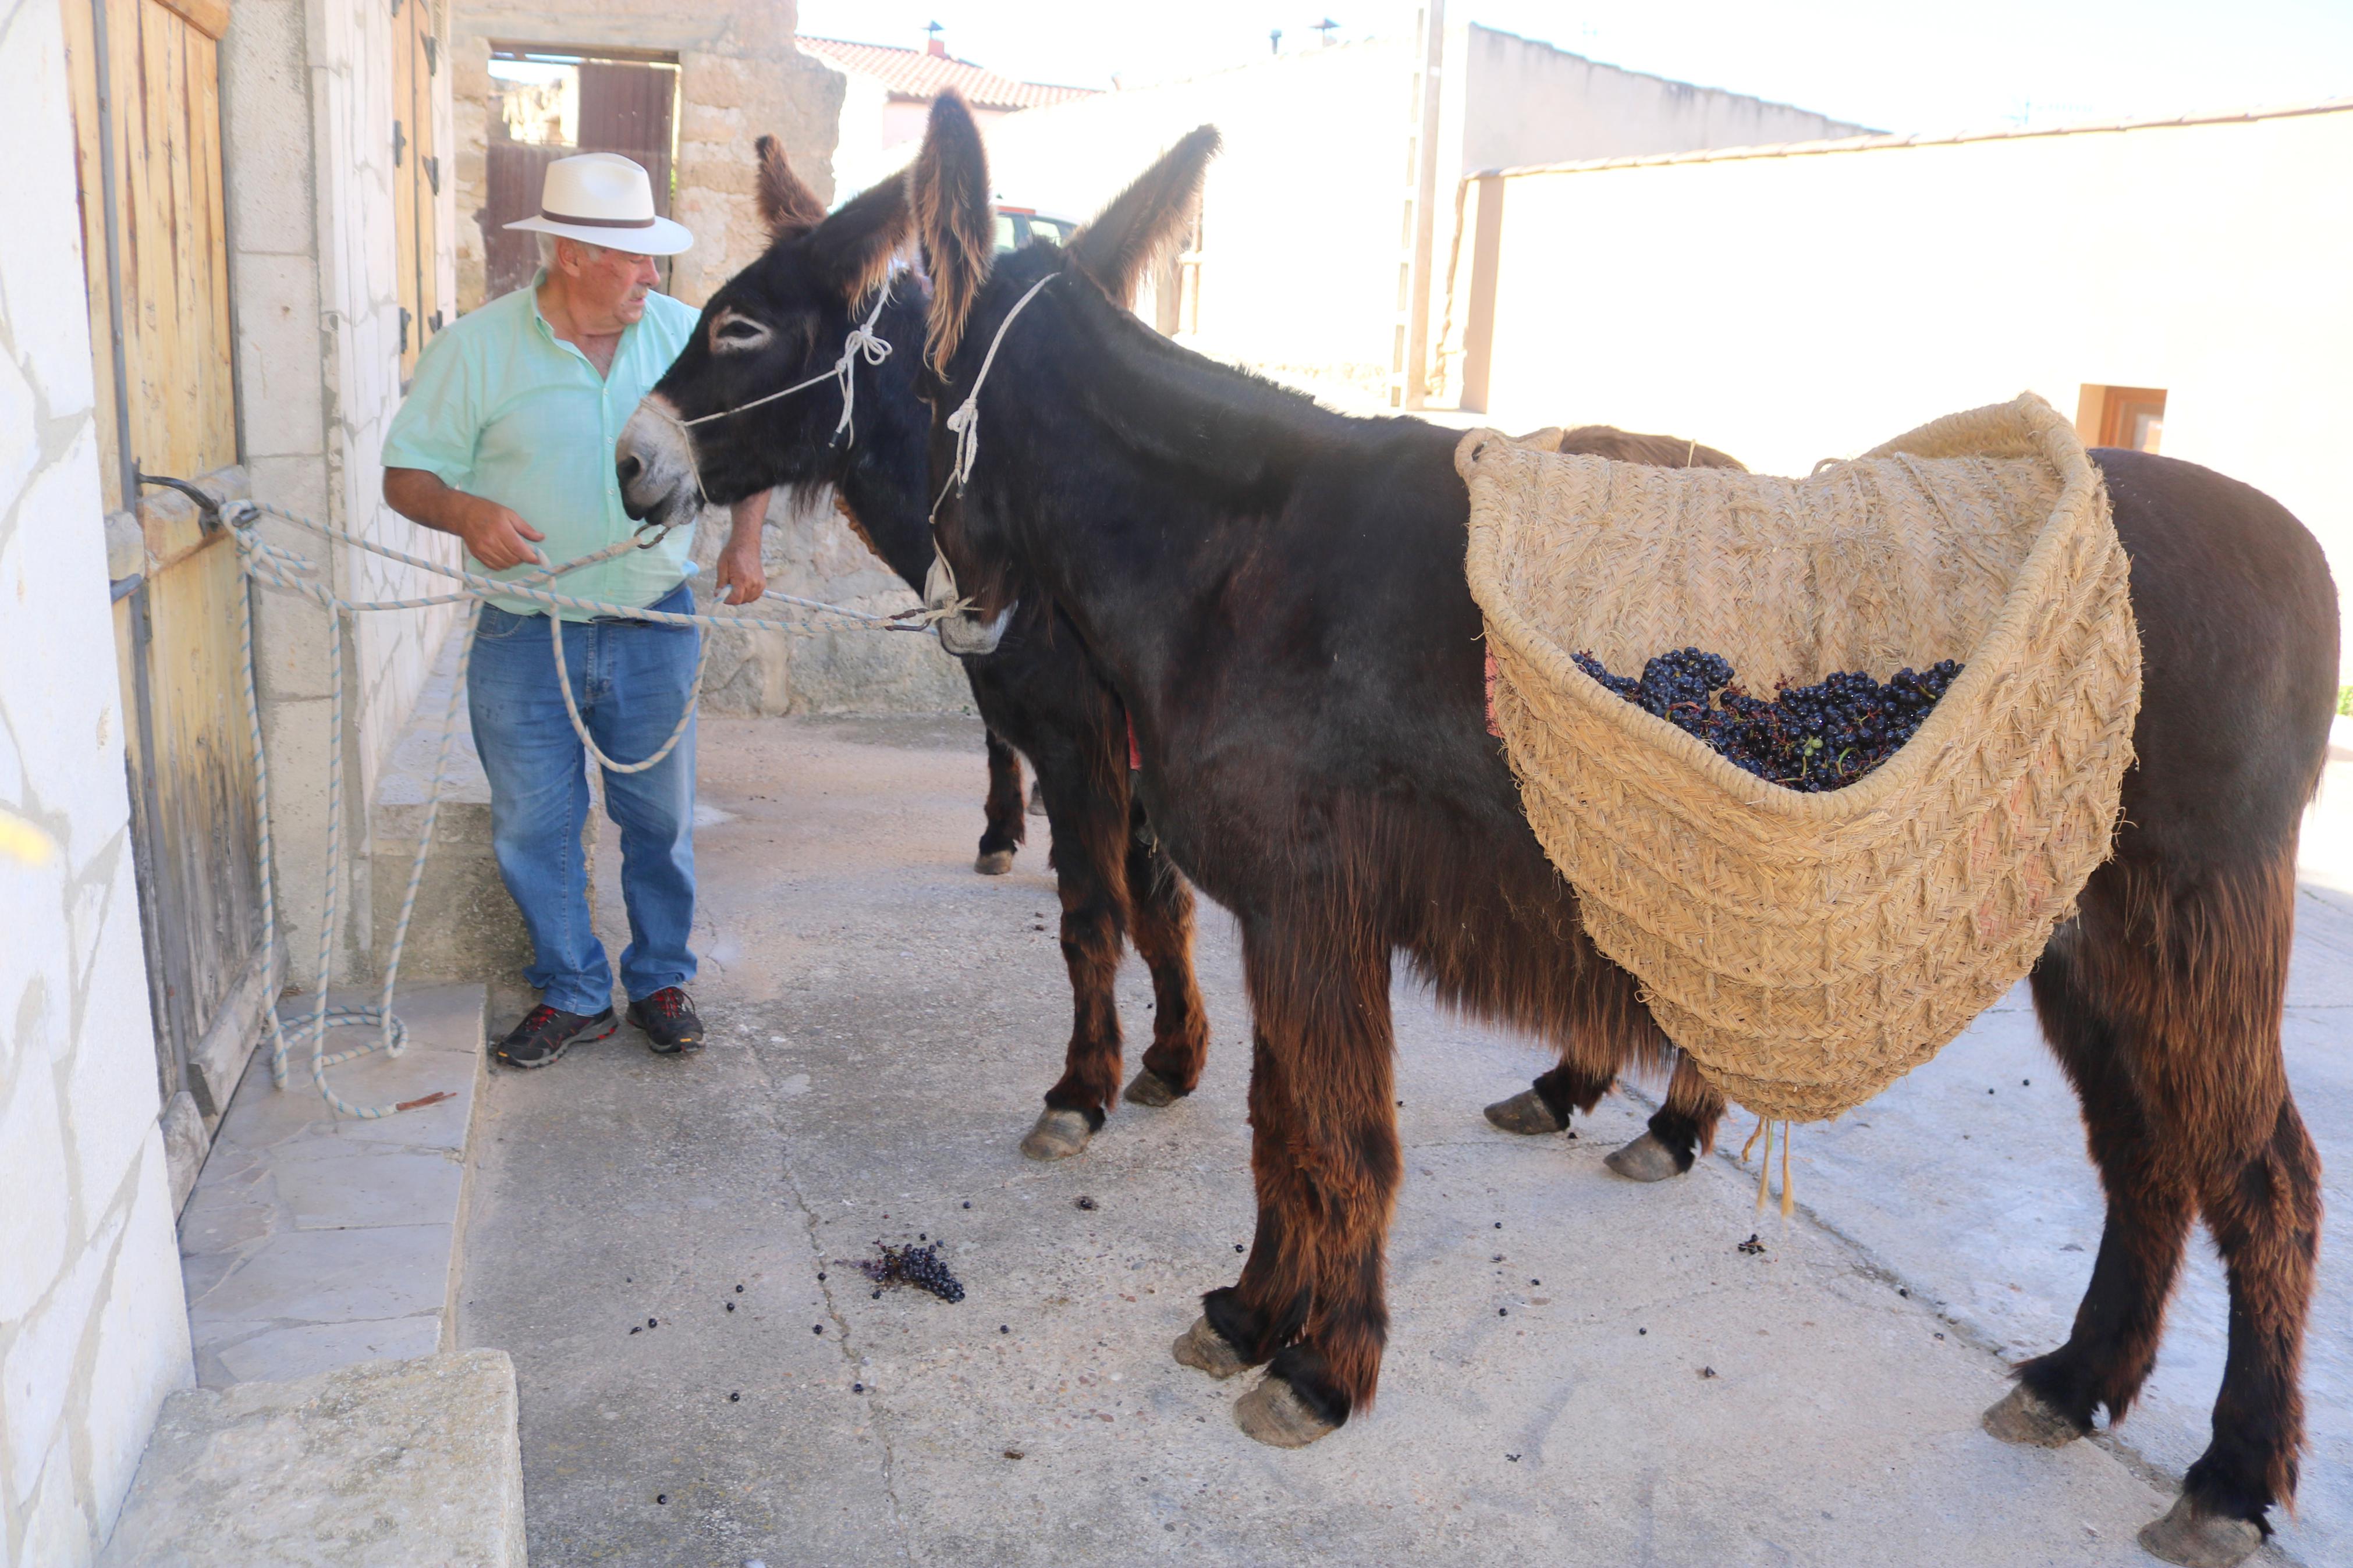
(1233, 429)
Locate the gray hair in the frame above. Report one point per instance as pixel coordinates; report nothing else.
(547, 248)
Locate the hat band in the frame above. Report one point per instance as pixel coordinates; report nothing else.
(596, 221)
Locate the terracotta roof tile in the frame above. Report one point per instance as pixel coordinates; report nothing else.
(911, 73)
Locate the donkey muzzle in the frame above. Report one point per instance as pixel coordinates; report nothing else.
(654, 462)
(965, 635)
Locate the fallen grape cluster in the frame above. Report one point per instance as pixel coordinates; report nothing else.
(1811, 737)
(917, 1266)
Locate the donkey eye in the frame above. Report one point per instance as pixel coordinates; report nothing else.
(733, 333)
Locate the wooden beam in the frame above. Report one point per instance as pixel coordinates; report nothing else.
(209, 17)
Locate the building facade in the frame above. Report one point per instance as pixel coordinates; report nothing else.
(1327, 222)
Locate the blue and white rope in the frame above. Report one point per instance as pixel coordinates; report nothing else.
(275, 566)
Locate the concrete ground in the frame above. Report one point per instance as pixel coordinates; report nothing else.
(1581, 1369)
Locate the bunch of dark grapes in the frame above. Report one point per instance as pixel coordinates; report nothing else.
(917, 1266)
(1810, 738)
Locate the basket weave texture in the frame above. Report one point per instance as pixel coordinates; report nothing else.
(1809, 949)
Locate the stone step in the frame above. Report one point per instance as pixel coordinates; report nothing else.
(313, 1240)
(386, 1464)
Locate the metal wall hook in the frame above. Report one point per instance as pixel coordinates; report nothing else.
(209, 506)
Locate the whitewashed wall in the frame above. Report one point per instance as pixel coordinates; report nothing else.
(93, 1332)
(1306, 221)
(1301, 213)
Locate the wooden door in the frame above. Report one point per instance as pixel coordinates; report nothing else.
(625, 106)
(146, 108)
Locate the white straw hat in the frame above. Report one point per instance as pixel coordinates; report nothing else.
(604, 199)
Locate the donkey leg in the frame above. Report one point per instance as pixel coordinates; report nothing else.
(2113, 1345)
(1088, 813)
(1245, 1324)
(1160, 919)
(1005, 827)
(2259, 1190)
(1545, 1105)
(1683, 1126)
(2191, 1102)
(1323, 999)
(2264, 1211)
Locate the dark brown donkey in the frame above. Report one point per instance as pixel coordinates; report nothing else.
(784, 320)
(881, 493)
(1276, 594)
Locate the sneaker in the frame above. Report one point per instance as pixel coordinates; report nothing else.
(668, 1019)
(546, 1033)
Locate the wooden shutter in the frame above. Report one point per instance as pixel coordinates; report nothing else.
(417, 171)
(146, 86)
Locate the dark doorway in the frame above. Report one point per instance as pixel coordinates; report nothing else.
(549, 102)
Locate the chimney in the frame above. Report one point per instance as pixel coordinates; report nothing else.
(933, 46)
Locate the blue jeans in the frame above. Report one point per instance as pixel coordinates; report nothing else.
(630, 680)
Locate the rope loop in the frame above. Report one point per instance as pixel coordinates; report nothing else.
(966, 420)
(275, 566)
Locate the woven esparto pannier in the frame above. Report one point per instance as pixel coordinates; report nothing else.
(1809, 949)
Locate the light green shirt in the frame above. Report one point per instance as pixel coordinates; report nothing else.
(505, 409)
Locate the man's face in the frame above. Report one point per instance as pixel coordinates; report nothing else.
(608, 287)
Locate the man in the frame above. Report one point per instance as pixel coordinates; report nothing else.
(506, 440)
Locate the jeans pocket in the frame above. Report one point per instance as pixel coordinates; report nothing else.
(496, 625)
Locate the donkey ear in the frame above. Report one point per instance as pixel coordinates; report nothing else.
(787, 206)
(1146, 218)
(948, 184)
(851, 251)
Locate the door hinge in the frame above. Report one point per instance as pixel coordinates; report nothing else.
(432, 55)
(405, 319)
(434, 321)
(395, 7)
(433, 173)
(399, 141)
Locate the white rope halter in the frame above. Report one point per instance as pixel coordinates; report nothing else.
(966, 421)
(943, 600)
(862, 341)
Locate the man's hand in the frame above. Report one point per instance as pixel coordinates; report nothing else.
(742, 578)
(497, 537)
(494, 535)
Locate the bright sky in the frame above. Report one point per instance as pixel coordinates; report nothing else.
(1898, 65)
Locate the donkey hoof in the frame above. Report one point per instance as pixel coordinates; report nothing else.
(1058, 1135)
(1150, 1088)
(2024, 1416)
(1524, 1113)
(994, 862)
(1203, 1349)
(1644, 1160)
(2198, 1539)
(1275, 1415)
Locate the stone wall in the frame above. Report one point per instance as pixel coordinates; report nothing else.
(810, 551)
(93, 1333)
(739, 76)
(307, 118)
